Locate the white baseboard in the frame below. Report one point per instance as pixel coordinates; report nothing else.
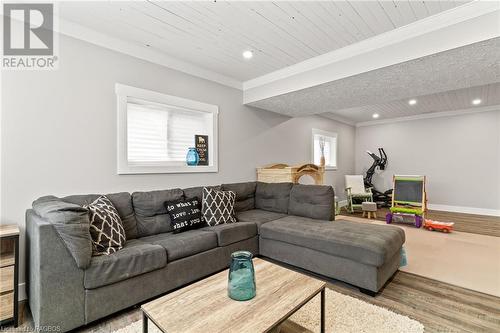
(342, 203)
(466, 210)
(22, 292)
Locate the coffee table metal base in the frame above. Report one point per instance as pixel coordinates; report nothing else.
(144, 322)
(322, 315)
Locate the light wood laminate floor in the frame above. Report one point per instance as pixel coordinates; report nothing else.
(471, 223)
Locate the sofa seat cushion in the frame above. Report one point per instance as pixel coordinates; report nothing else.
(233, 232)
(135, 258)
(184, 244)
(258, 216)
(361, 242)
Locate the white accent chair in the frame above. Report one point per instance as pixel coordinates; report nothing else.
(356, 191)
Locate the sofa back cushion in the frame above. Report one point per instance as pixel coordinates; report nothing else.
(197, 192)
(245, 195)
(121, 201)
(150, 212)
(314, 201)
(71, 222)
(273, 197)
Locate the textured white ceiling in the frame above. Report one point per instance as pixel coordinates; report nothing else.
(469, 66)
(213, 34)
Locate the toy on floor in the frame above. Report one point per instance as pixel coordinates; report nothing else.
(409, 200)
(445, 227)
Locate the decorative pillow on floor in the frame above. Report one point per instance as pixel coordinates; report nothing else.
(184, 214)
(106, 228)
(218, 206)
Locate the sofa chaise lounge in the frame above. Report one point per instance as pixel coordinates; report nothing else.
(285, 222)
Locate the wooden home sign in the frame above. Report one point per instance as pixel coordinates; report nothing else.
(201, 142)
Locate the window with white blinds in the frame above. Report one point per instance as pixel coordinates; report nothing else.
(329, 142)
(162, 134)
(154, 137)
(146, 134)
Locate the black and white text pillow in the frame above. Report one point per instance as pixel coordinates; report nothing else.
(106, 228)
(218, 206)
(184, 214)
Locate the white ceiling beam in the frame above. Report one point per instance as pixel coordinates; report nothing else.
(467, 24)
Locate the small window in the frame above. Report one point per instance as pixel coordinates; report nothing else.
(324, 144)
(155, 132)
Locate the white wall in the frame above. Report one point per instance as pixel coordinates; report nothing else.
(460, 155)
(58, 131)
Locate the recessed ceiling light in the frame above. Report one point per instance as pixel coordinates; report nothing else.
(412, 101)
(477, 101)
(375, 115)
(247, 54)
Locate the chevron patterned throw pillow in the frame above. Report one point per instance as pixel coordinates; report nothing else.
(106, 228)
(218, 206)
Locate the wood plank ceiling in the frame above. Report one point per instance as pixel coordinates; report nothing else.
(213, 34)
(460, 99)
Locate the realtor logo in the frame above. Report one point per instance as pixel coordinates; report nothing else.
(28, 36)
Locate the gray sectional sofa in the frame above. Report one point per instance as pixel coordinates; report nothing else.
(284, 222)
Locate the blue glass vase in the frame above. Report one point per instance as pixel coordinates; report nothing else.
(241, 281)
(192, 157)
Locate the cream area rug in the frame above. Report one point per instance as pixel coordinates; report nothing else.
(344, 314)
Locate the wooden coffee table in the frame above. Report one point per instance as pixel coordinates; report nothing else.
(205, 307)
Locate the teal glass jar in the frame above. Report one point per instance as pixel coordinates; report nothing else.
(241, 281)
(192, 157)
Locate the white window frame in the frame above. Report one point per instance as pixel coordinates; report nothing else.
(316, 131)
(123, 93)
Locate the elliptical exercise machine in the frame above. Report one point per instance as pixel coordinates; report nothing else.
(383, 199)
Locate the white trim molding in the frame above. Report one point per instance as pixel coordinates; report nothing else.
(466, 210)
(430, 115)
(142, 52)
(22, 295)
(342, 203)
(123, 95)
(335, 117)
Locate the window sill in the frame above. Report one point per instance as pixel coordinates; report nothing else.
(330, 168)
(134, 170)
